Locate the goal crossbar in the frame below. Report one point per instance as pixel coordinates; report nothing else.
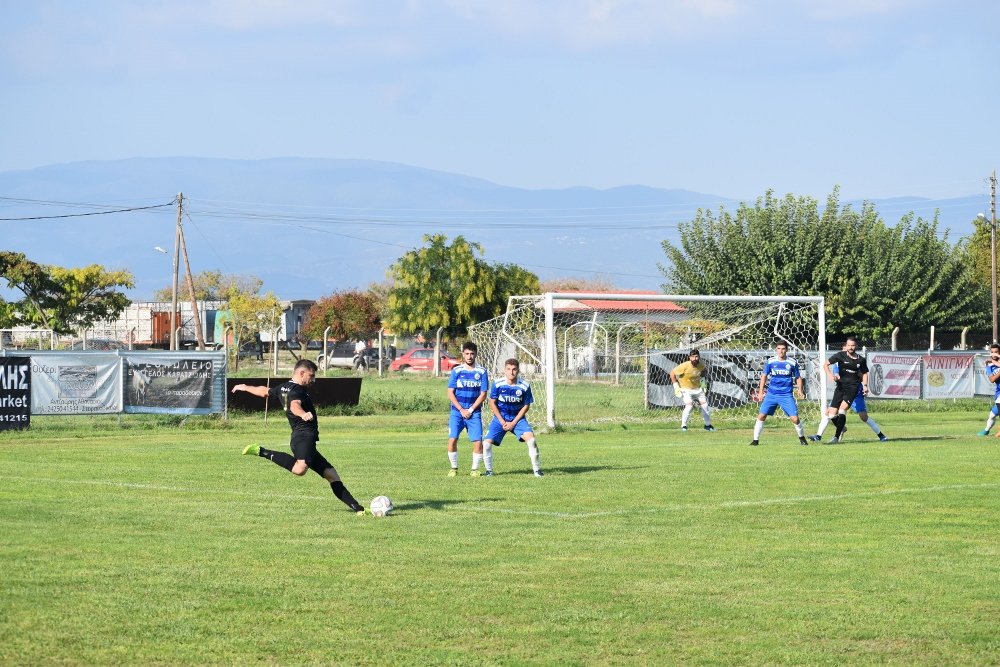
(538, 342)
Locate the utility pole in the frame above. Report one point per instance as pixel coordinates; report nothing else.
(993, 246)
(194, 299)
(177, 251)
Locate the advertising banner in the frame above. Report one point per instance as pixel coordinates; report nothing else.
(72, 383)
(15, 393)
(948, 376)
(893, 375)
(169, 383)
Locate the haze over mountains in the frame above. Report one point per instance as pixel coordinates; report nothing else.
(309, 227)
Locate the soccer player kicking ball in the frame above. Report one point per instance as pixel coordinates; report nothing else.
(781, 375)
(305, 432)
(993, 375)
(510, 399)
(687, 387)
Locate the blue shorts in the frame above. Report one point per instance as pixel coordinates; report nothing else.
(771, 403)
(496, 432)
(473, 426)
(858, 404)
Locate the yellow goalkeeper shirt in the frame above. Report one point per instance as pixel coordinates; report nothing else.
(689, 375)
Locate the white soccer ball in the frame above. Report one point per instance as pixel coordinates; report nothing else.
(381, 506)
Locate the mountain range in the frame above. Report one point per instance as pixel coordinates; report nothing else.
(309, 227)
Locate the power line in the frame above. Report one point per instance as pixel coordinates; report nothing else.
(78, 215)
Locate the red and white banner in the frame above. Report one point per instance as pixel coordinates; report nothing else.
(894, 375)
(948, 376)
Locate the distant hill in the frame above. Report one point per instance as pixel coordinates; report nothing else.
(309, 227)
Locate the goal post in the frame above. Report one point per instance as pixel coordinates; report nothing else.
(594, 357)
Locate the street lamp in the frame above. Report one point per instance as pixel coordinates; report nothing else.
(993, 266)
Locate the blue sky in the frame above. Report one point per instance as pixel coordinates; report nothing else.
(882, 97)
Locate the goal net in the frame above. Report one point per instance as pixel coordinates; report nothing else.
(594, 358)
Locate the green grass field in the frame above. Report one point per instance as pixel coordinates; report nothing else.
(147, 541)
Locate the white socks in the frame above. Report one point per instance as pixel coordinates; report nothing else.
(488, 454)
(536, 459)
(453, 459)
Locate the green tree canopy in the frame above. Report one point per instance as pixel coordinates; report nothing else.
(449, 285)
(350, 315)
(874, 277)
(61, 299)
(249, 313)
(212, 286)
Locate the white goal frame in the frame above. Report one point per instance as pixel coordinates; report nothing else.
(548, 361)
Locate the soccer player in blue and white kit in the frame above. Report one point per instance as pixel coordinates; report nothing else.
(467, 387)
(782, 377)
(993, 375)
(510, 398)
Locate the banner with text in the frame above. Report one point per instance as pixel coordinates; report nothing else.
(893, 375)
(67, 383)
(948, 376)
(164, 383)
(15, 393)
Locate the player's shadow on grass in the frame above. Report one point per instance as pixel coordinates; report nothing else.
(437, 504)
(920, 438)
(575, 470)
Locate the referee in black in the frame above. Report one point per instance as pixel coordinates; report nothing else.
(851, 376)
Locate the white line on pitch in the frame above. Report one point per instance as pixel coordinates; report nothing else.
(735, 503)
(157, 487)
(570, 515)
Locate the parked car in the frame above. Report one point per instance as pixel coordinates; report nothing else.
(342, 355)
(422, 359)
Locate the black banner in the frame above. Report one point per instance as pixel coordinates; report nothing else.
(167, 384)
(15, 393)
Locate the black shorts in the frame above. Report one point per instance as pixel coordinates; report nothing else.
(843, 395)
(304, 449)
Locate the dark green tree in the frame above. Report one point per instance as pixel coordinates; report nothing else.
(874, 277)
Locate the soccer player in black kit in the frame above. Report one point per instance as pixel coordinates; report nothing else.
(305, 432)
(852, 382)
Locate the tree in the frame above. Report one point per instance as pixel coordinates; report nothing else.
(979, 246)
(350, 315)
(212, 286)
(439, 285)
(449, 286)
(248, 314)
(578, 285)
(61, 299)
(874, 277)
(508, 280)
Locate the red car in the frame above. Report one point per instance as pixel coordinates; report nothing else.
(422, 359)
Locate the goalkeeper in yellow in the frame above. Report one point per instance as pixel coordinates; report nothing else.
(687, 386)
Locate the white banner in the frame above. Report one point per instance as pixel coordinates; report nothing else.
(948, 376)
(893, 375)
(75, 383)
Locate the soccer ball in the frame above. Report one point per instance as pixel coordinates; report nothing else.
(381, 506)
